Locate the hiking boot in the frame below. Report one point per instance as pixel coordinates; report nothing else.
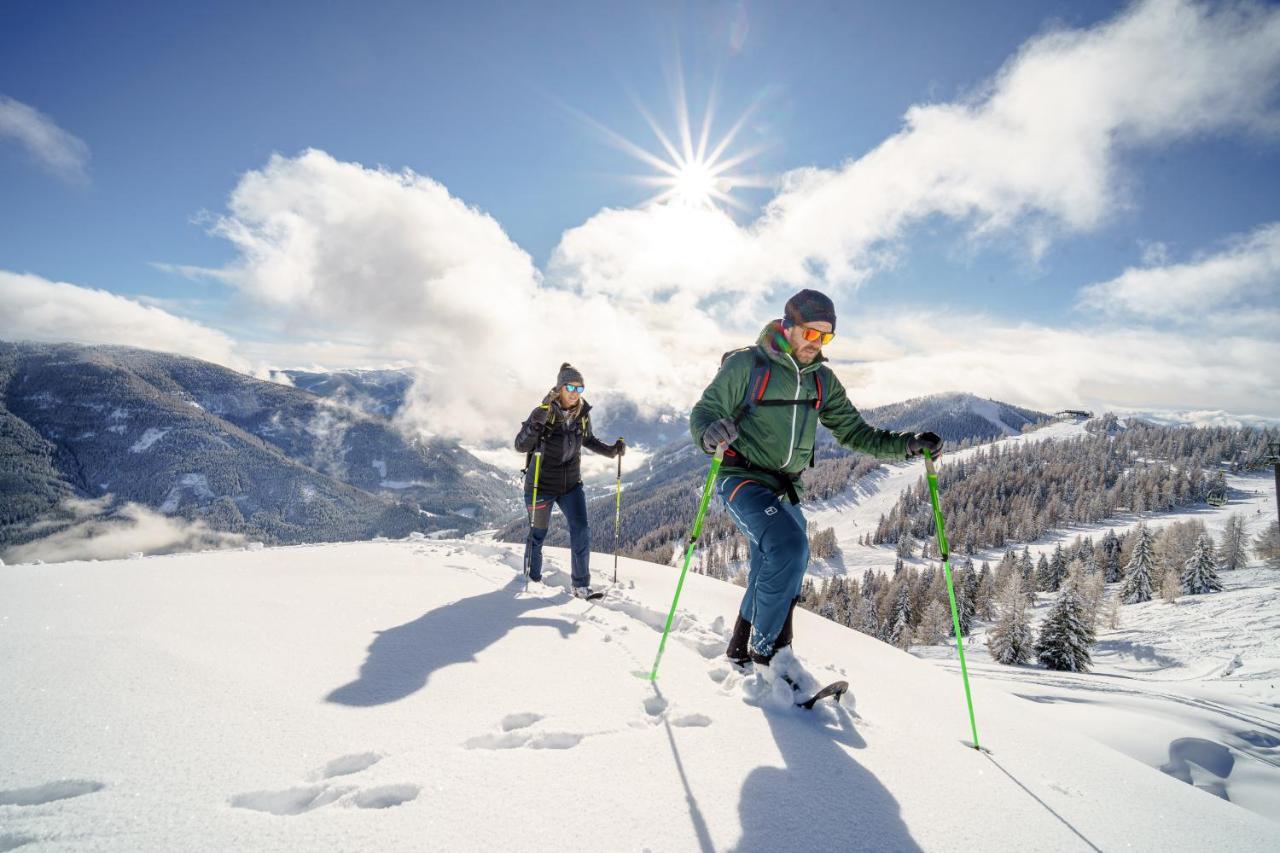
(583, 592)
(737, 652)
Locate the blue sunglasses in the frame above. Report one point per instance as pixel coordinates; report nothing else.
(574, 389)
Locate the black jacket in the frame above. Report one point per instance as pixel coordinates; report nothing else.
(562, 443)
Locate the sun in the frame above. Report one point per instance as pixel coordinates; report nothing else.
(693, 172)
(694, 184)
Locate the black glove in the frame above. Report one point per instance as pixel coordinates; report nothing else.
(922, 441)
(619, 448)
(720, 432)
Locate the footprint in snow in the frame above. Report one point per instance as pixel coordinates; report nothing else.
(49, 792)
(291, 801)
(519, 721)
(698, 720)
(12, 841)
(385, 796)
(654, 706)
(513, 735)
(346, 765)
(517, 739)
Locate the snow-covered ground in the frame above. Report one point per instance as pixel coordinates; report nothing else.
(1191, 688)
(407, 695)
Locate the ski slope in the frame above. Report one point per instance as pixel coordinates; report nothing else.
(407, 696)
(857, 510)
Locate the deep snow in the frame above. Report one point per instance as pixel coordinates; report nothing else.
(408, 695)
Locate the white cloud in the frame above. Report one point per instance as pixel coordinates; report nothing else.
(1244, 275)
(1036, 152)
(97, 532)
(63, 154)
(35, 309)
(1109, 367)
(389, 265)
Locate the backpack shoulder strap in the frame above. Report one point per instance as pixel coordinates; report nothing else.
(756, 384)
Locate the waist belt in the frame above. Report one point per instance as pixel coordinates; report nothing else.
(734, 459)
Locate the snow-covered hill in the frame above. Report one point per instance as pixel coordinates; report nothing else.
(408, 695)
(857, 511)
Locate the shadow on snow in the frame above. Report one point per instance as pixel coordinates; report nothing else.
(401, 660)
(778, 809)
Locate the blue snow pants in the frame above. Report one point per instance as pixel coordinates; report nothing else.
(573, 504)
(778, 536)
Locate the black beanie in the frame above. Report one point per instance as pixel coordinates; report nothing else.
(810, 306)
(568, 374)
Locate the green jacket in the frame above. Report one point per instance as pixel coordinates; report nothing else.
(781, 438)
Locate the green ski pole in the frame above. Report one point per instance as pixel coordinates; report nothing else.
(688, 553)
(533, 512)
(617, 519)
(951, 591)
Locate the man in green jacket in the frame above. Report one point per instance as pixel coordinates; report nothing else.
(765, 404)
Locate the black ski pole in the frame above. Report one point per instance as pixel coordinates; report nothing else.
(617, 517)
(533, 514)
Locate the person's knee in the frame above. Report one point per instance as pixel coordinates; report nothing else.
(788, 542)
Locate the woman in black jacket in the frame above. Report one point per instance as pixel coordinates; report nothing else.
(561, 427)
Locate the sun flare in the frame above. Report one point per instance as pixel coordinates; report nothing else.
(693, 172)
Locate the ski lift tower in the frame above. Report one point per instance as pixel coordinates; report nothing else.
(1273, 459)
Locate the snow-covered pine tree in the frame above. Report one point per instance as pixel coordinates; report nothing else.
(1199, 576)
(1027, 569)
(1231, 553)
(1043, 578)
(900, 617)
(933, 625)
(1217, 488)
(1011, 641)
(1137, 575)
(1111, 558)
(1057, 568)
(827, 610)
(864, 617)
(963, 584)
(984, 603)
(1067, 635)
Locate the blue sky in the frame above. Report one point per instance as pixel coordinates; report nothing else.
(178, 105)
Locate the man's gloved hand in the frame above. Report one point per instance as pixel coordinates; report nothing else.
(720, 432)
(922, 441)
(619, 448)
